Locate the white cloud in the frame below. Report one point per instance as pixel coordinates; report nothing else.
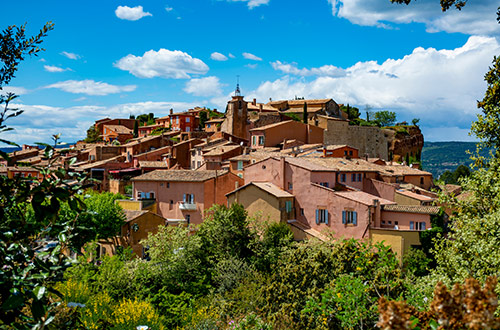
(251, 66)
(252, 57)
(91, 87)
(438, 86)
(231, 55)
(40, 122)
(252, 3)
(14, 89)
(208, 86)
(477, 17)
(168, 9)
(325, 70)
(53, 68)
(163, 63)
(131, 13)
(71, 56)
(218, 56)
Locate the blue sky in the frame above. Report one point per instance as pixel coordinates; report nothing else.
(115, 58)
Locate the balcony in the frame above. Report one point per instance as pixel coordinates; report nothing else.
(185, 206)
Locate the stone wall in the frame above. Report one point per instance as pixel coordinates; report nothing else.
(368, 140)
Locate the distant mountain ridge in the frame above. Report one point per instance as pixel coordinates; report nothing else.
(438, 157)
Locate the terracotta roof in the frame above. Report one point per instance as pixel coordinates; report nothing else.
(220, 150)
(415, 195)
(117, 159)
(149, 126)
(267, 107)
(412, 209)
(263, 128)
(298, 110)
(338, 146)
(246, 157)
(311, 101)
(363, 197)
(179, 175)
(216, 120)
(272, 189)
(152, 164)
(402, 170)
(132, 215)
(334, 164)
(120, 129)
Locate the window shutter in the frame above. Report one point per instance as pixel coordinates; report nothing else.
(411, 225)
(355, 218)
(184, 198)
(327, 215)
(317, 216)
(343, 217)
(192, 198)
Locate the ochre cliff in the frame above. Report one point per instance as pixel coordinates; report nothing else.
(405, 142)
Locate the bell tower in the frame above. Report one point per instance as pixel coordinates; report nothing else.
(236, 115)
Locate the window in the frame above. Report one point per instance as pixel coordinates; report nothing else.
(193, 163)
(324, 184)
(188, 218)
(188, 119)
(254, 140)
(350, 152)
(240, 175)
(208, 125)
(345, 152)
(288, 206)
(290, 186)
(353, 177)
(417, 225)
(188, 129)
(177, 120)
(321, 216)
(198, 163)
(360, 177)
(301, 211)
(350, 218)
(422, 180)
(261, 140)
(168, 184)
(151, 195)
(342, 177)
(240, 165)
(188, 198)
(140, 194)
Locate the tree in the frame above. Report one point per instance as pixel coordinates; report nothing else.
(385, 118)
(352, 112)
(415, 121)
(203, 119)
(92, 135)
(136, 129)
(305, 116)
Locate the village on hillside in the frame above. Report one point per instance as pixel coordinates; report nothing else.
(320, 175)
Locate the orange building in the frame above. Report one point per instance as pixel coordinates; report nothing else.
(274, 134)
(116, 133)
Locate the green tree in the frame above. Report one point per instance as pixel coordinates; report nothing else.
(203, 119)
(92, 135)
(305, 116)
(385, 118)
(415, 121)
(136, 128)
(352, 112)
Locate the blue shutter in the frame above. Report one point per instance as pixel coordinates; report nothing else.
(411, 225)
(317, 216)
(184, 198)
(343, 217)
(355, 218)
(327, 215)
(192, 198)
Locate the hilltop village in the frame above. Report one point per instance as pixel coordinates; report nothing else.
(321, 176)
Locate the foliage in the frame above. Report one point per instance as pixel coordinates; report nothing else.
(159, 130)
(15, 45)
(464, 307)
(415, 121)
(203, 119)
(352, 112)
(293, 116)
(92, 135)
(385, 118)
(146, 119)
(415, 263)
(249, 322)
(130, 314)
(136, 129)
(454, 177)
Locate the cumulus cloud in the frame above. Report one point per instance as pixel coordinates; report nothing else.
(218, 56)
(434, 85)
(91, 87)
(251, 66)
(168, 9)
(163, 63)
(53, 68)
(252, 57)
(71, 56)
(477, 17)
(14, 89)
(208, 86)
(40, 122)
(325, 70)
(131, 13)
(252, 3)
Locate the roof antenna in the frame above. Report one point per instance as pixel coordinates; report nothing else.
(237, 92)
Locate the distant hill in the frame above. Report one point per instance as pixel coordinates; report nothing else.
(438, 157)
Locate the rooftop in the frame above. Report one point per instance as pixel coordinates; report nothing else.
(220, 150)
(363, 197)
(432, 210)
(120, 129)
(152, 164)
(179, 175)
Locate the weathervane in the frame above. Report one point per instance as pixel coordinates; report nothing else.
(237, 92)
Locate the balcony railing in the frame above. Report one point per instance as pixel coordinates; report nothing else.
(185, 206)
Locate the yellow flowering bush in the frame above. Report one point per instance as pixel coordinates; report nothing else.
(73, 291)
(129, 314)
(97, 311)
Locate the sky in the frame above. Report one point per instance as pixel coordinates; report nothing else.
(117, 58)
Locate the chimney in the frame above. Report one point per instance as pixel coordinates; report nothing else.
(171, 111)
(254, 102)
(366, 157)
(283, 176)
(260, 107)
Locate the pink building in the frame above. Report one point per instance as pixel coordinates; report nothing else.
(274, 134)
(185, 194)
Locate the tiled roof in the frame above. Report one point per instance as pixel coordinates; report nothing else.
(337, 146)
(256, 107)
(311, 101)
(272, 189)
(220, 150)
(412, 209)
(402, 170)
(334, 164)
(263, 128)
(152, 164)
(413, 195)
(179, 175)
(241, 157)
(118, 159)
(120, 129)
(132, 215)
(309, 109)
(363, 197)
(216, 120)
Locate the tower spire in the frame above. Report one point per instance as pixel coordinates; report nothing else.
(237, 92)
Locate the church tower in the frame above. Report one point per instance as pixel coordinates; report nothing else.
(236, 115)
